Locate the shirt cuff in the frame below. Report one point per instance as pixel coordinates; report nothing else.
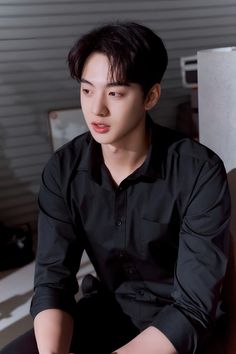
(178, 329)
(47, 298)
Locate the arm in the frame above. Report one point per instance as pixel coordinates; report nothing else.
(53, 331)
(230, 298)
(201, 263)
(150, 341)
(199, 270)
(57, 262)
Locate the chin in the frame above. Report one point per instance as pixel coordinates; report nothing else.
(101, 139)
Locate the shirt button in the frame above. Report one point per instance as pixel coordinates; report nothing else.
(118, 223)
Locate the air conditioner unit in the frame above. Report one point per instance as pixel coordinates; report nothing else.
(189, 71)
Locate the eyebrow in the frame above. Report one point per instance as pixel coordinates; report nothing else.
(109, 84)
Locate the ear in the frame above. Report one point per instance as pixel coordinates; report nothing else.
(152, 97)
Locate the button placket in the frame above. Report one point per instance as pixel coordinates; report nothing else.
(120, 207)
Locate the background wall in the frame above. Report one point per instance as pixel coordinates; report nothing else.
(35, 37)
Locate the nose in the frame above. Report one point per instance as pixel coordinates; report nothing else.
(99, 107)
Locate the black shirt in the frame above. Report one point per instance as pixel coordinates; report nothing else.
(158, 241)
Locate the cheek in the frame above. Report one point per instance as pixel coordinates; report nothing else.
(82, 100)
(84, 105)
(135, 108)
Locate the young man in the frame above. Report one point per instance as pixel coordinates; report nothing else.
(150, 206)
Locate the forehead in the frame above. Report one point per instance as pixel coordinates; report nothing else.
(96, 67)
(96, 71)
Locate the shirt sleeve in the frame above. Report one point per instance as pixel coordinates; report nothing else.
(201, 263)
(59, 248)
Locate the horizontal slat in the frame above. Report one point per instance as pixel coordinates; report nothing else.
(20, 55)
(25, 180)
(38, 77)
(25, 36)
(45, 85)
(163, 3)
(27, 150)
(38, 2)
(107, 7)
(23, 171)
(23, 141)
(27, 161)
(18, 120)
(163, 22)
(33, 98)
(17, 191)
(63, 22)
(20, 131)
(201, 42)
(42, 43)
(33, 66)
(44, 107)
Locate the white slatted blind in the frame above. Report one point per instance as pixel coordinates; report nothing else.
(35, 37)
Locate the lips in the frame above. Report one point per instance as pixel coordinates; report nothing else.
(100, 127)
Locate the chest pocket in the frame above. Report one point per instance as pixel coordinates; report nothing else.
(160, 240)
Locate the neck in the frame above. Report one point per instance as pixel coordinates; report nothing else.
(124, 159)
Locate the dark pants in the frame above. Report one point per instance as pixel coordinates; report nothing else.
(100, 327)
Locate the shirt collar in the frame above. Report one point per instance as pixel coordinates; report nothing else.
(154, 166)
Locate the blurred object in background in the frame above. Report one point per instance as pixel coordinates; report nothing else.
(16, 246)
(187, 112)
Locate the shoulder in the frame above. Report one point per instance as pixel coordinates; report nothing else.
(74, 150)
(69, 157)
(181, 147)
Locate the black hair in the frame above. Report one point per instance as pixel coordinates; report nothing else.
(135, 53)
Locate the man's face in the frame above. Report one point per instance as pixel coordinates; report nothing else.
(113, 112)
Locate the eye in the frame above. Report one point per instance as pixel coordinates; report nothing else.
(116, 94)
(86, 91)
